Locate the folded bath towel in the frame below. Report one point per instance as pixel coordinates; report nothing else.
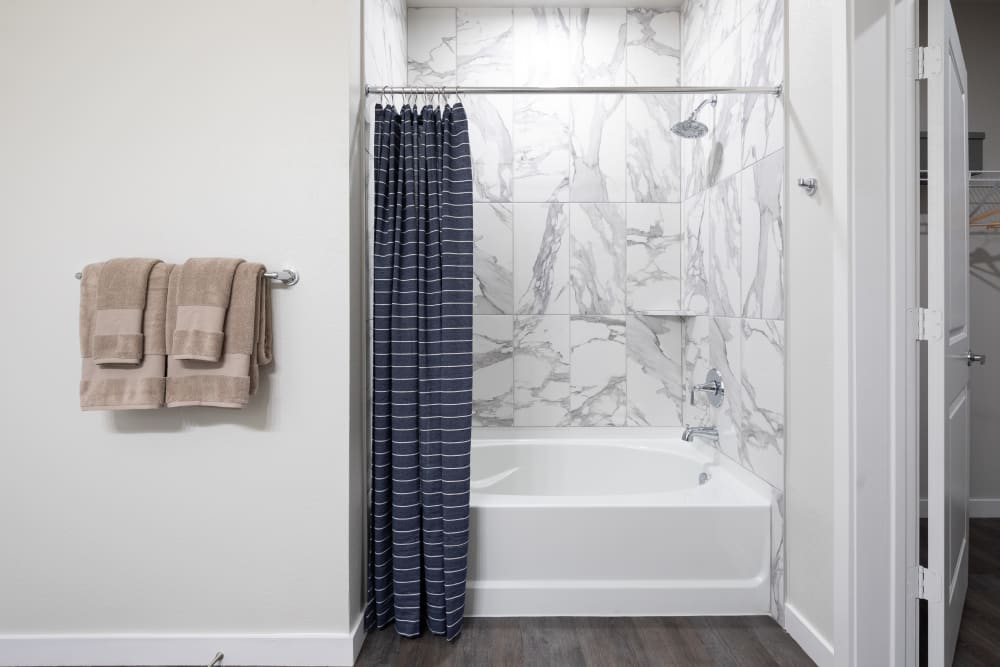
(121, 300)
(124, 386)
(231, 381)
(203, 293)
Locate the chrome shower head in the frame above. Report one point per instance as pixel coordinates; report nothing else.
(692, 128)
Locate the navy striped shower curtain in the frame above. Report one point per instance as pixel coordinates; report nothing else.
(421, 370)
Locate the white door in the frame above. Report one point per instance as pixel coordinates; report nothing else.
(948, 349)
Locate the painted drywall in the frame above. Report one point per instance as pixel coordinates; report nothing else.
(812, 247)
(178, 129)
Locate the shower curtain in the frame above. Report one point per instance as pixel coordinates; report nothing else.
(422, 370)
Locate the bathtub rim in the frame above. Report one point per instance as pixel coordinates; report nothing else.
(665, 439)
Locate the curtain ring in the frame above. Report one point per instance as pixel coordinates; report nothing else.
(381, 98)
(457, 96)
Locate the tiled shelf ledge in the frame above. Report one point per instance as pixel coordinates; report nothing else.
(670, 313)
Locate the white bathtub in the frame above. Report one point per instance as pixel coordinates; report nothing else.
(609, 522)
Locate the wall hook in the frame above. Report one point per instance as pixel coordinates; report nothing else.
(809, 185)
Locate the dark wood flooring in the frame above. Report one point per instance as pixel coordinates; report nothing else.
(748, 641)
(979, 635)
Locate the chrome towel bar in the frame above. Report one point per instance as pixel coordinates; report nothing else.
(287, 277)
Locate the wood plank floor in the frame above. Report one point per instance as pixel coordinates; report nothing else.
(748, 641)
(979, 635)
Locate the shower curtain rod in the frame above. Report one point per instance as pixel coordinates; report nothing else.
(536, 90)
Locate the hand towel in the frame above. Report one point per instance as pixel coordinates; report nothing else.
(231, 381)
(121, 300)
(124, 386)
(203, 294)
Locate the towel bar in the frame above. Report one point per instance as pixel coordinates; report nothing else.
(286, 276)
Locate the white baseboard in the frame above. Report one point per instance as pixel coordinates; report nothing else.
(806, 636)
(979, 508)
(279, 650)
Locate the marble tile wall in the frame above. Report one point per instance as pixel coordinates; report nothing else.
(385, 42)
(577, 210)
(616, 263)
(732, 216)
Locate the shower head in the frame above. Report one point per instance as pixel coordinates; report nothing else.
(689, 129)
(692, 128)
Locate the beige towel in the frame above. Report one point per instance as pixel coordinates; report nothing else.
(121, 300)
(124, 386)
(203, 294)
(231, 381)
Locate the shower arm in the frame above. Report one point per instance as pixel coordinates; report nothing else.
(713, 100)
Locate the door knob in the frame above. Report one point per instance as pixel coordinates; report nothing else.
(973, 358)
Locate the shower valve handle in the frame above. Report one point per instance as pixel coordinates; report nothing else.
(713, 387)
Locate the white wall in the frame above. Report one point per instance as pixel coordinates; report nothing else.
(812, 247)
(178, 129)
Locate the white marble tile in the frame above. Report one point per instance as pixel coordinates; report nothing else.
(653, 153)
(597, 265)
(597, 36)
(597, 154)
(725, 66)
(541, 47)
(697, 363)
(728, 129)
(777, 606)
(597, 370)
(763, 400)
(653, 50)
(762, 44)
(655, 244)
(696, 48)
(385, 42)
(654, 377)
(722, 215)
(541, 259)
(762, 245)
(696, 257)
(485, 48)
(541, 370)
(725, 346)
(430, 46)
(723, 19)
(491, 145)
(493, 259)
(541, 148)
(493, 370)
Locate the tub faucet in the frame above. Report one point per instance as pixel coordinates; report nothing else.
(707, 432)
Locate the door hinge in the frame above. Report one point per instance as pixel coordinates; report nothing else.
(928, 585)
(927, 324)
(927, 61)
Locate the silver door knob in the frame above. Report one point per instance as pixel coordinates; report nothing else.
(976, 358)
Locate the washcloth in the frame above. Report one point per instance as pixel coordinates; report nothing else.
(121, 300)
(203, 290)
(231, 381)
(124, 386)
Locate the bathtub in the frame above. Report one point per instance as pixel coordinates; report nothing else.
(613, 522)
